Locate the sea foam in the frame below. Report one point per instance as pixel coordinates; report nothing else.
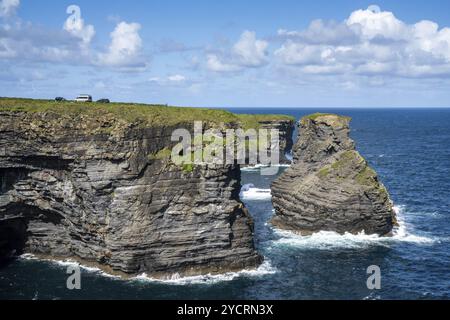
(70, 263)
(256, 194)
(326, 240)
(258, 167)
(265, 268)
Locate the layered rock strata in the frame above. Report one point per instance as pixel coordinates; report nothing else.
(103, 190)
(330, 186)
(286, 132)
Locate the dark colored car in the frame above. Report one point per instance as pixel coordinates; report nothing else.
(59, 99)
(103, 101)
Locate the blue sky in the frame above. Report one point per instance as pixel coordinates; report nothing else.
(229, 53)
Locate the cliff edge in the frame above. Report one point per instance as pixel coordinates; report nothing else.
(95, 183)
(330, 186)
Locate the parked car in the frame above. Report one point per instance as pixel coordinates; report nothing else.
(59, 99)
(103, 101)
(84, 98)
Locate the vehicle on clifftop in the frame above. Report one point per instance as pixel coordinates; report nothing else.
(103, 101)
(83, 98)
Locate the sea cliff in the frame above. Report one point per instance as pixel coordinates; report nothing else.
(95, 183)
(330, 186)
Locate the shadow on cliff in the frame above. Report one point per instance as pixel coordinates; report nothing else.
(15, 235)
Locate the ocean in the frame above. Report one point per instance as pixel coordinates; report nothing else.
(410, 150)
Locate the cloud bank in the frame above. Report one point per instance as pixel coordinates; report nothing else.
(369, 42)
(72, 44)
(248, 52)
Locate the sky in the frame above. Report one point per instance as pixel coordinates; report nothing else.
(230, 53)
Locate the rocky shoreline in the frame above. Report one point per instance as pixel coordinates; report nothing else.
(101, 189)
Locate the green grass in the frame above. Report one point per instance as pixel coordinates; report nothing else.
(141, 114)
(315, 116)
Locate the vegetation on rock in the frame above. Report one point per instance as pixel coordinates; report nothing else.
(142, 115)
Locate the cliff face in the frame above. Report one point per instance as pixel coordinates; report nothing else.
(330, 187)
(102, 190)
(286, 130)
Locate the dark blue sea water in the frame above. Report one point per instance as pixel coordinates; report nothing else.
(410, 149)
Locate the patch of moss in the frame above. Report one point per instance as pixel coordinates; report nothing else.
(382, 189)
(188, 168)
(165, 153)
(323, 173)
(346, 158)
(366, 177)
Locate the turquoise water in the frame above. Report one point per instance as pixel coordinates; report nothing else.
(410, 149)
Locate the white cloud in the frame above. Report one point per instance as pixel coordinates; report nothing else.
(248, 52)
(32, 43)
(27, 42)
(320, 32)
(369, 42)
(125, 47)
(176, 78)
(8, 7)
(24, 41)
(76, 27)
(373, 22)
(214, 63)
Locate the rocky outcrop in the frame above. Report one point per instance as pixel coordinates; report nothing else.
(286, 131)
(330, 187)
(102, 190)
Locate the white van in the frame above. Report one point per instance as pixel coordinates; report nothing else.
(84, 98)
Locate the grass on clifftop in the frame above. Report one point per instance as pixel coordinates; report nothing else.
(143, 114)
(315, 116)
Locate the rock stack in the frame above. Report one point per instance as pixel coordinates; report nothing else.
(330, 186)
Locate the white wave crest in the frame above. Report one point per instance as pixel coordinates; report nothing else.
(264, 269)
(70, 263)
(258, 167)
(330, 240)
(402, 232)
(256, 194)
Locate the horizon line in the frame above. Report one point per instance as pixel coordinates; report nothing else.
(256, 107)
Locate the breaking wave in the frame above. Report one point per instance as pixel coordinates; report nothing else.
(258, 167)
(264, 269)
(330, 240)
(249, 192)
(70, 263)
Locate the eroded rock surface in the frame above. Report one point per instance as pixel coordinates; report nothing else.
(102, 190)
(330, 187)
(286, 131)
